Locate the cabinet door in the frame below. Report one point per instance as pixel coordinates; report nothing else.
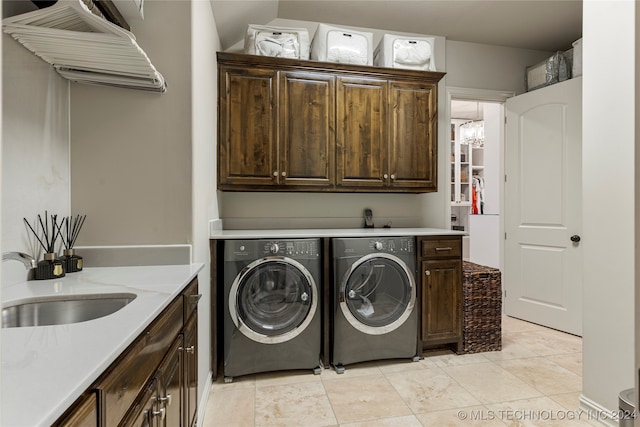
(247, 127)
(362, 132)
(146, 412)
(441, 300)
(307, 139)
(190, 365)
(413, 135)
(169, 378)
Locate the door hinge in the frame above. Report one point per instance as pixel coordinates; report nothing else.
(505, 236)
(505, 293)
(505, 177)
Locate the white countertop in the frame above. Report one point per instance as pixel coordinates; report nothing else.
(331, 232)
(45, 368)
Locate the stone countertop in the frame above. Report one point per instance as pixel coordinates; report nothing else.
(46, 368)
(328, 232)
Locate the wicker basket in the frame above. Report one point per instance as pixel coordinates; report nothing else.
(481, 308)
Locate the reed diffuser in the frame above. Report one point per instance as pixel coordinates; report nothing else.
(50, 267)
(72, 262)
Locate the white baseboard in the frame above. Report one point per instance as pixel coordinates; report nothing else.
(202, 404)
(595, 412)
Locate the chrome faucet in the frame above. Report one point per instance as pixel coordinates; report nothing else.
(28, 261)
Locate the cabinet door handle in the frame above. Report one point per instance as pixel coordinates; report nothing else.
(190, 350)
(162, 413)
(444, 249)
(166, 399)
(427, 273)
(385, 176)
(283, 174)
(275, 173)
(393, 177)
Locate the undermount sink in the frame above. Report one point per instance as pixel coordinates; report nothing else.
(60, 310)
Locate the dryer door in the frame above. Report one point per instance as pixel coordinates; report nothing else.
(273, 300)
(378, 294)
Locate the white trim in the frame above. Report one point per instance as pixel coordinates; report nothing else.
(204, 398)
(600, 413)
(215, 225)
(482, 95)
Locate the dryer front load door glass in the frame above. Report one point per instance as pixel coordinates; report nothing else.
(274, 298)
(378, 292)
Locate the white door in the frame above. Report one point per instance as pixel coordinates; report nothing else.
(543, 201)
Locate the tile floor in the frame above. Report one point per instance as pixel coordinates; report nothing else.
(534, 381)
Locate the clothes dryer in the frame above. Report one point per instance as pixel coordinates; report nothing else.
(374, 300)
(271, 306)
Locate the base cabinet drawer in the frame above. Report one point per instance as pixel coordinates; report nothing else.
(84, 413)
(441, 248)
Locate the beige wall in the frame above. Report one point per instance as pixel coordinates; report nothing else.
(35, 150)
(479, 66)
(131, 151)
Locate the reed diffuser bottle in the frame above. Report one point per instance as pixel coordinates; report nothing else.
(72, 262)
(50, 267)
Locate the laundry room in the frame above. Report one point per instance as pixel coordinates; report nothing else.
(311, 234)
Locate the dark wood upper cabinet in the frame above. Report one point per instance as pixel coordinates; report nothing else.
(307, 124)
(413, 135)
(362, 132)
(248, 126)
(297, 125)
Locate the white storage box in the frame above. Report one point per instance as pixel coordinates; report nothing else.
(415, 53)
(576, 66)
(277, 41)
(552, 70)
(334, 44)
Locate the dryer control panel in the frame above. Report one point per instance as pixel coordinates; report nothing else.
(290, 248)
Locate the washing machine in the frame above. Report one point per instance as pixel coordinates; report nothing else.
(272, 307)
(374, 300)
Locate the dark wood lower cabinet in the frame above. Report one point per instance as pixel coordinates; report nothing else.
(441, 292)
(154, 382)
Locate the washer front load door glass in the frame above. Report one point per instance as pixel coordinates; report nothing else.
(275, 298)
(378, 293)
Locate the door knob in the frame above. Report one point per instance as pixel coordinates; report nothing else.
(575, 238)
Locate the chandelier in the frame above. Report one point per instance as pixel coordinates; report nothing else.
(472, 133)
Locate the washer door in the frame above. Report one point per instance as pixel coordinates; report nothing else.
(273, 300)
(377, 294)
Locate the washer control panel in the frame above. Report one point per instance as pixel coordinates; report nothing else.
(392, 245)
(237, 250)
